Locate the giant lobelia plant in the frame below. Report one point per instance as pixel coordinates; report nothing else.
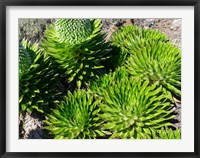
(76, 117)
(79, 47)
(129, 37)
(158, 62)
(37, 79)
(135, 109)
(107, 80)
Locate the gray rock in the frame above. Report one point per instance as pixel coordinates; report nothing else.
(33, 127)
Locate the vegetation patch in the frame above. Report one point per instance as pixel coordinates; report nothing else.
(86, 83)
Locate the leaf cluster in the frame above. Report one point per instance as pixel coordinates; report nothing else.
(117, 89)
(76, 117)
(135, 109)
(80, 49)
(129, 37)
(37, 79)
(148, 54)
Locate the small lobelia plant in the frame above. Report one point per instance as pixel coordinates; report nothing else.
(158, 62)
(76, 117)
(135, 109)
(129, 37)
(107, 80)
(79, 47)
(37, 79)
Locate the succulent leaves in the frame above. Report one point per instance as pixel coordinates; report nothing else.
(79, 53)
(107, 80)
(148, 54)
(76, 117)
(27, 53)
(130, 37)
(157, 62)
(132, 101)
(37, 79)
(168, 133)
(135, 109)
(73, 31)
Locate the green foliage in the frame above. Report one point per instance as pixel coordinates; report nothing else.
(129, 37)
(135, 109)
(107, 80)
(132, 36)
(80, 50)
(168, 133)
(119, 88)
(37, 79)
(75, 117)
(26, 55)
(157, 62)
(73, 31)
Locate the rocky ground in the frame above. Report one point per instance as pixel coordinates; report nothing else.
(32, 126)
